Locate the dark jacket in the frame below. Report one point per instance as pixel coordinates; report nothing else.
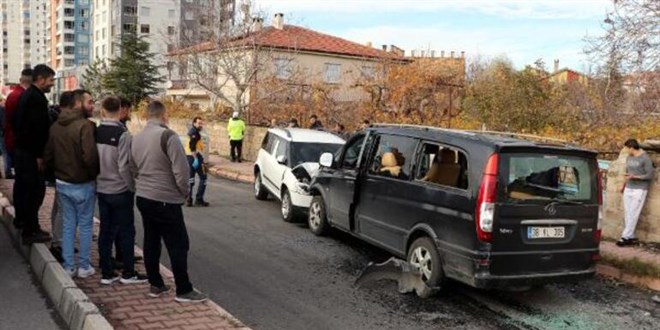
(31, 122)
(195, 137)
(71, 149)
(113, 141)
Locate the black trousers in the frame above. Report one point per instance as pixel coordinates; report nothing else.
(164, 221)
(117, 219)
(236, 149)
(29, 191)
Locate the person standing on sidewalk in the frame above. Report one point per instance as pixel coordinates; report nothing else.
(161, 174)
(639, 172)
(3, 150)
(115, 190)
(56, 221)
(71, 152)
(31, 127)
(196, 162)
(11, 105)
(236, 130)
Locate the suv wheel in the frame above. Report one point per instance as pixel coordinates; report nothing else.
(288, 211)
(317, 220)
(260, 191)
(424, 255)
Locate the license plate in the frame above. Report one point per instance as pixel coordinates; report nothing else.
(546, 232)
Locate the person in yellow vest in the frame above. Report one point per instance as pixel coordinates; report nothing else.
(236, 130)
(194, 151)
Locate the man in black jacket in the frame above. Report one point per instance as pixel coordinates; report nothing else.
(31, 123)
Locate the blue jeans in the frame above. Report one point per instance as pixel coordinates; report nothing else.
(202, 179)
(77, 204)
(117, 225)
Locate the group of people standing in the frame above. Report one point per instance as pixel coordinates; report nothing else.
(87, 162)
(316, 124)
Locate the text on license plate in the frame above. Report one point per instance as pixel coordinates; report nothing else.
(546, 232)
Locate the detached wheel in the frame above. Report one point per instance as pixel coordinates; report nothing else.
(288, 211)
(317, 220)
(260, 191)
(424, 255)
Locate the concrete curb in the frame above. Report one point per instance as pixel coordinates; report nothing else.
(218, 171)
(71, 303)
(610, 271)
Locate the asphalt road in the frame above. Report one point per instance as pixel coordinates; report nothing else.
(23, 304)
(275, 275)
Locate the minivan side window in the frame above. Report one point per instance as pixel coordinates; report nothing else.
(393, 157)
(281, 148)
(267, 143)
(352, 153)
(442, 165)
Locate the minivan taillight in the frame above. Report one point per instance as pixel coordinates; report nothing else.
(598, 232)
(485, 212)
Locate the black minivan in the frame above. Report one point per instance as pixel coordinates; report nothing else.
(487, 209)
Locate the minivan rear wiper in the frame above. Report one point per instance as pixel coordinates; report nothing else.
(565, 201)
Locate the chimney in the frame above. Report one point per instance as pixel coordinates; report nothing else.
(462, 54)
(384, 48)
(556, 65)
(278, 21)
(433, 54)
(397, 51)
(369, 44)
(412, 53)
(422, 54)
(257, 24)
(452, 54)
(442, 53)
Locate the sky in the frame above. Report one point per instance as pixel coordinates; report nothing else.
(524, 31)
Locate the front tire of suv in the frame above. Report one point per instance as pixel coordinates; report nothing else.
(260, 191)
(287, 209)
(316, 219)
(424, 255)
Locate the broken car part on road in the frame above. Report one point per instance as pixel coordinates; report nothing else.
(408, 276)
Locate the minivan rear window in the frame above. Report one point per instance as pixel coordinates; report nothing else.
(543, 177)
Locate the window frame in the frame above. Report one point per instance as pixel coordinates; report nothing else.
(374, 150)
(350, 143)
(326, 73)
(420, 151)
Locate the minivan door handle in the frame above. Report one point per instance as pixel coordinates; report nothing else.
(549, 222)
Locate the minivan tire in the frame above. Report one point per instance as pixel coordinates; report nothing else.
(316, 219)
(424, 248)
(290, 215)
(260, 191)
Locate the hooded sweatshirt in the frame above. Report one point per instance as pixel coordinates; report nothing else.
(71, 149)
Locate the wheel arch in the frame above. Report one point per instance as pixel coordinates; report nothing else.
(419, 230)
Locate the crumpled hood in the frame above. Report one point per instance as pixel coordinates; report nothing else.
(306, 171)
(69, 116)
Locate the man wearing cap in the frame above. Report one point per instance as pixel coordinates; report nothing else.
(236, 130)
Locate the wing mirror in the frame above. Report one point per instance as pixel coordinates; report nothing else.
(326, 160)
(281, 159)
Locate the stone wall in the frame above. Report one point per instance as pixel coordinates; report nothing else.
(648, 227)
(218, 137)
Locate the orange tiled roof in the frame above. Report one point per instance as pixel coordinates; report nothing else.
(293, 37)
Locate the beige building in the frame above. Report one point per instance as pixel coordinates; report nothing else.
(278, 59)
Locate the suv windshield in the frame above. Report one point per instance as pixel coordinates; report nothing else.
(543, 177)
(310, 152)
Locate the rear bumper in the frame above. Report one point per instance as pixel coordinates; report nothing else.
(487, 281)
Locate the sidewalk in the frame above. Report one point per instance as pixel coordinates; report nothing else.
(128, 306)
(629, 264)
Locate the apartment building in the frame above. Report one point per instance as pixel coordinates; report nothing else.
(203, 19)
(69, 27)
(15, 41)
(39, 35)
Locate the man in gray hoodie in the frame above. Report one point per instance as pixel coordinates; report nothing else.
(639, 173)
(161, 177)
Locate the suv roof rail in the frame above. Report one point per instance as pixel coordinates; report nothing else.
(522, 136)
(424, 128)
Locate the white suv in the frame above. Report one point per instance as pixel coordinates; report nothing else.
(286, 163)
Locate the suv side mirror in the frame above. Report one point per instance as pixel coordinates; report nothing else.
(281, 159)
(326, 160)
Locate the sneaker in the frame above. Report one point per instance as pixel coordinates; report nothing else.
(85, 273)
(155, 291)
(193, 296)
(109, 279)
(71, 272)
(626, 241)
(202, 203)
(137, 278)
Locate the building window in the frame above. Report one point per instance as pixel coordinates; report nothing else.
(103, 33)
(84, 12)
(171, 13)
(332, 73)
(368, 72)
(69, 12)
(69, 50)
(130, 10)
(97, 35)
(69, 37)
(282, 68)
(83, 38)
(170, 30)
(69, 25)
(144, 28)
(84, 26)
(129, 28)
(145, 11)
(96, 52)
(69, 63)
(103, 52)
(83, 51)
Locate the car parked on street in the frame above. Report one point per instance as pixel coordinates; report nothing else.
(487, 209)
(286, 163)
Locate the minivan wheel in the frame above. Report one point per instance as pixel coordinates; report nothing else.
(288, 211)
(260, 191)
(424, 255)
(317, 220)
